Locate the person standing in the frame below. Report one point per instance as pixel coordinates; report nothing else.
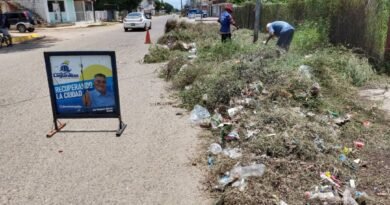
(282, 30)
(4, 26)
(226, 20)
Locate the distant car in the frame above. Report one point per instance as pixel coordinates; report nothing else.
(137, 20)
(192, 13)
(21, 20)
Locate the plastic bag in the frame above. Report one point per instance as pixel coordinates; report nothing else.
(198, 114)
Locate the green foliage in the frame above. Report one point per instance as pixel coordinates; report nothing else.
(157, 55)
(338, 68)
(311, 35)
(159, 5)
(128, 5)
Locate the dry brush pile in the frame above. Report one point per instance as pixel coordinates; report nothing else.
(297, 114)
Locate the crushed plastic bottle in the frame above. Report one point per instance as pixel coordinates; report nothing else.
(234, 153)
(256, 170)
(198, 114)
(215, 148)
(347, 198)
(326, 196)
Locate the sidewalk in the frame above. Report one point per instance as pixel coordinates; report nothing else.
(23, 37)
(80, 25)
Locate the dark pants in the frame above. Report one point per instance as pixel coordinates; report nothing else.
(226, 36)
(285, 39)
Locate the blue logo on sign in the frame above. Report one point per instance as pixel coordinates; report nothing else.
(65, 71)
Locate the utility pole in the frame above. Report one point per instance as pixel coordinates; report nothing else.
(93, 10)
(257, 21)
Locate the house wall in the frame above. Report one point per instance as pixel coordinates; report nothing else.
(70, 10)
(67, 16)
(37, 6)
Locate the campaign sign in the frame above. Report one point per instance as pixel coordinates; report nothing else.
(83, 84)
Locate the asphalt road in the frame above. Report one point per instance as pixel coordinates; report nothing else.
(149, 164)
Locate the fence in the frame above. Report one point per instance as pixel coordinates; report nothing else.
(357, 23)
(99, 15)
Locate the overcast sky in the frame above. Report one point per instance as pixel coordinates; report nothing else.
(175, 3)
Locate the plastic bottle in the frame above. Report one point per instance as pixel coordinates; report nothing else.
(248, 171)
(215, 148)
(325, 196)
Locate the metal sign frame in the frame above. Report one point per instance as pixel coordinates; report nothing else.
(56, 115)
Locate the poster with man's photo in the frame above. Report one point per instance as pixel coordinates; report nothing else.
(82, 84)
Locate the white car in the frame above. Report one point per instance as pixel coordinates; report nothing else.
(136, 20)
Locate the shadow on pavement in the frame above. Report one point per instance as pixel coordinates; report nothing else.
(43, 42)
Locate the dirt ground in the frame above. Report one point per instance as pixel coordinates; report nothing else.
(86, 164)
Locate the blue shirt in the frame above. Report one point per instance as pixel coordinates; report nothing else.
(278, 27)
(99, 100)
(225, 21)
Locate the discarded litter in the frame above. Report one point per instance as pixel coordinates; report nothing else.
(352, 183)
(239, 173)
(233, 153)
(241, 184)
(325, 176)
(215, 148)
(358, 144)
(346, 150)
(282, 203)
(347, 198)
(210, 161)
(256, 170)
(304, 70)
(326, 196)
(198, 114)
(342, 120)
(319, 142)
(366, 124)
(234, 111)
(216, 120)
(342, 157)
(233, 135)
(251, 133)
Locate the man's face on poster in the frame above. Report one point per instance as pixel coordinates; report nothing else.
(100, 84)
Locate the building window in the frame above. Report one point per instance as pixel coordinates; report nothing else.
(50, 5)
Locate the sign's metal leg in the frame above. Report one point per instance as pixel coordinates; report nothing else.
(57, 128)
(122, 127)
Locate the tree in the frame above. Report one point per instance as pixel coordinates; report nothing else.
(163, 6)
(168, 7)
(117, 4)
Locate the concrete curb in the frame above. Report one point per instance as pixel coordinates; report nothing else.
(21, 39)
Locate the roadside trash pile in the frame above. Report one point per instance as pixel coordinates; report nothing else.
(336, 187)
(281, 129)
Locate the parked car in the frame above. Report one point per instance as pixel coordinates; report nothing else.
(136, 20)
(193, 13)
(21, 20)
